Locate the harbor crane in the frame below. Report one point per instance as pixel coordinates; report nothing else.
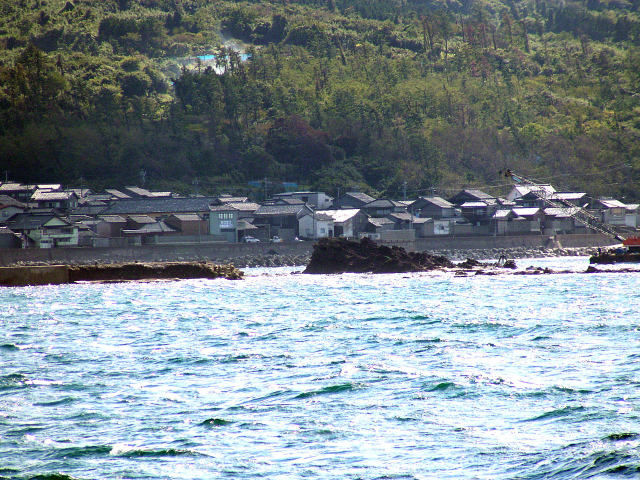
(578, 213)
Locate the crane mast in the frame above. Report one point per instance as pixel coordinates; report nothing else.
(579, 214)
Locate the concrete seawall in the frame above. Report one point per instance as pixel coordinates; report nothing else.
(217, 253)
(18, 276)
(514, 241)
(225, 252)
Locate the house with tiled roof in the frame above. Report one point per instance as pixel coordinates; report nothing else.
(148, 233)
(432, 207)
(188, 223)
(382, 207)
(159, 207)
(280, 220)
(520, 191)
(559, 220)
(318, 200)
(44, 230)
(377, 225)
(17, 191)
(472, 195)
(245, 209)
(352, 200)
(57, 200)
(110, 226)
(610, 211)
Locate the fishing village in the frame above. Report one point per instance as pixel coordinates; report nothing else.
(51, 225)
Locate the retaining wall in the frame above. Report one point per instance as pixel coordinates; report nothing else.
(219, 253)
(513, 241)
(223, 252)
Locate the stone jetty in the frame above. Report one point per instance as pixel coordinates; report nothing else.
(60, 274)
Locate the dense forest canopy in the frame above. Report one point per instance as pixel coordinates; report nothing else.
(384, 96)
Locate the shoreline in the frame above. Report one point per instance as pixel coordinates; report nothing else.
(267, 260)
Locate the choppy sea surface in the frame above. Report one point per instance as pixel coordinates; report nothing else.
(287, 376)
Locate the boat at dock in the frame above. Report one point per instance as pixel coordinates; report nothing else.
(629, 252)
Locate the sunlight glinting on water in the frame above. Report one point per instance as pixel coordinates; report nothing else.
(284, 375)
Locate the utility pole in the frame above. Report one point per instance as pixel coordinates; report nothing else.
(404, 190)
(265, 188)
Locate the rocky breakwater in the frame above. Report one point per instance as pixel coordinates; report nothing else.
(60, 274)
(150, 271)
(337, 255)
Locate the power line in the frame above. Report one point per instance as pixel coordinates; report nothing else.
(609, 168)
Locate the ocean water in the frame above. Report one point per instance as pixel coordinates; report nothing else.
(288, 376)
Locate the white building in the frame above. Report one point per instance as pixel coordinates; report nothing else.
(347, 222)
(318, 200)
(315, 225)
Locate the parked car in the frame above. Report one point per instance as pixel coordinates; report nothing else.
(276, 239)
(250, 239)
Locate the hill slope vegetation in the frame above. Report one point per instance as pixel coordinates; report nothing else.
(380, 95)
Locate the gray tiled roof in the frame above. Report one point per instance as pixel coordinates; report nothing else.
(7, 201)
(478, 194)
(378, 222)
(157, 227)
(30, 221)
(279, 210)
(44, 196)
(231, 199)
(187, 217)
(112, 219)
(244, 206)
(89, 209)
(16, 187)
(142, 219)
(438, 202)
(222, 208)
(363, 197)
(381, 203)
(160, 205)
(116, 193)
(404, 216)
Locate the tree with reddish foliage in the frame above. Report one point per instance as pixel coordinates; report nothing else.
(292, 140)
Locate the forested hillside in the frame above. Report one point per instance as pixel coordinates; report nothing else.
(331, 94)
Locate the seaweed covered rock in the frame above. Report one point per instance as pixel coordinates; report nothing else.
(338, 255)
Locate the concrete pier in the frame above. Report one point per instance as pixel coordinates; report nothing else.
(20, 276)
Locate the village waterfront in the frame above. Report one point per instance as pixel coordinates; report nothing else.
(284, 375)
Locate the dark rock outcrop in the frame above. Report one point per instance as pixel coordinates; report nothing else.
(337, 255)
